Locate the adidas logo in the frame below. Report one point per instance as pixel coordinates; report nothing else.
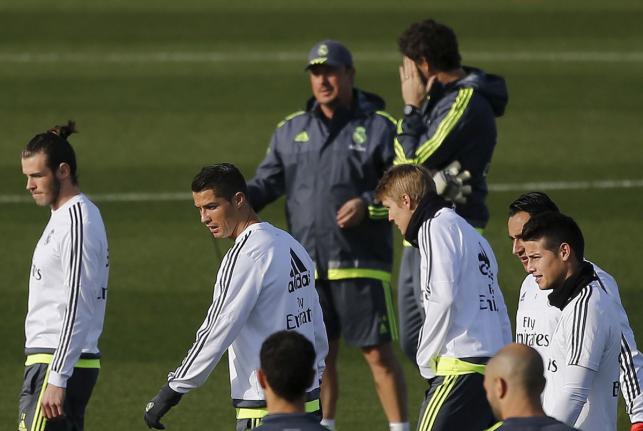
(299, 275)
(302, 137)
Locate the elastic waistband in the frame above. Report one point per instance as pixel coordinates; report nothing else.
(456, 367)
(46, 358)
(258, 413)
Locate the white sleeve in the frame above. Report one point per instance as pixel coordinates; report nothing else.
(631, 373)
(235, 295)
(321, 339)
(568, 402)
(83, 261)
(503, 313)
(440, 290)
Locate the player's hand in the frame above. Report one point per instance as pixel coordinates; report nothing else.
(414, 91)
(160, 404)
(351, 213)
(450, 183)
(52, 401)
(637, 426)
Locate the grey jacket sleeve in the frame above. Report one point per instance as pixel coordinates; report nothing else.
(268, 183)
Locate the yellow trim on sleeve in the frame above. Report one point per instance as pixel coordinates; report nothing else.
(290, 117)
(388, 116)
(446, 125)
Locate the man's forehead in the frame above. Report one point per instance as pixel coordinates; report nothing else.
(205, 197)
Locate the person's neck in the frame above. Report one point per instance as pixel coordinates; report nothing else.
(67, 191)
(329, 110)
(451, 75)
(281, 406)
(522, 407)
(250, 219)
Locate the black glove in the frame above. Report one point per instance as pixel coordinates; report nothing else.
(160, 404)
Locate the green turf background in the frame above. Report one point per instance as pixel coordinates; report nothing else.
(149, 126)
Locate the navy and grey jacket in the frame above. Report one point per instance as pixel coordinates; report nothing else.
(457, 122)
(320, 164)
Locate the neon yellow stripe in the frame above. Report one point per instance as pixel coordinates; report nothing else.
(46, 358)
(39, 420)
(343, 273)
(390, 310)
(437, 401)
(377, 213)
(447, 366)
(260, 412)
(290, 117)
(445, 127)
(429, 147)
(495, 426)
(388, 116)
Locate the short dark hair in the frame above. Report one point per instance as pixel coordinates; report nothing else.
(433, 41)
(223, 178)
(556, 228)
(54, 145)
(532, 203)
(288, 361)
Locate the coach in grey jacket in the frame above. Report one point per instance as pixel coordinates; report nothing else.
(327, 160)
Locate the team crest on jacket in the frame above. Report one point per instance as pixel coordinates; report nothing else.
(359, 139)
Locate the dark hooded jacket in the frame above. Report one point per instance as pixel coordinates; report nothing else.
(319, 165)
(457, 122)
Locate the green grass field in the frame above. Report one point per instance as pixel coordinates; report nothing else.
(161, 88)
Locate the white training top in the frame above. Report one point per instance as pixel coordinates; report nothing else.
(465, 311)
(536, 321)
(265, 284)
(68, 287)
(581, 363)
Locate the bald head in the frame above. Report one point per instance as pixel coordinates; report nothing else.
(521, 366)
(514, 379)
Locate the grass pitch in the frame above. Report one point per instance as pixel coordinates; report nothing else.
(159, 89)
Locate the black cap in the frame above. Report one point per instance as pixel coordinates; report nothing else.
(329, 52)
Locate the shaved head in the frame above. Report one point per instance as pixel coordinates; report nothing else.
(515, 375)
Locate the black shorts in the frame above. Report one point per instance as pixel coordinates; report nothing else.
(360, 309)
(79, 389)
(455, 403)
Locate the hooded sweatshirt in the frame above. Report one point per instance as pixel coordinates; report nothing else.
(457, 122)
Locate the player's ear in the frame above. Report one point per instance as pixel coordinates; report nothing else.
(407, 202)
(261, 376)
(63, 171)
(501, 388)
(238, 199)
(565, 251)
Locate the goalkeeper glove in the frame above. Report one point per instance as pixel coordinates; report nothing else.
(160, 404)
(449, 183)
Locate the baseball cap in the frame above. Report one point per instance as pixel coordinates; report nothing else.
(329, 52)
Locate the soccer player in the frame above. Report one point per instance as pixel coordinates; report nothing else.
(466, 318)
(513, 382)
(582, 360)
(449, 115)
(327, 161)
(265, 284)
(536, 319)
(67, 290)
(287, 369)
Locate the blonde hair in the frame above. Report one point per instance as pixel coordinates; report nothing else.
(412, 180)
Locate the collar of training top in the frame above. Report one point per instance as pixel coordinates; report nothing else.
(571, 287)
(430, 204)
